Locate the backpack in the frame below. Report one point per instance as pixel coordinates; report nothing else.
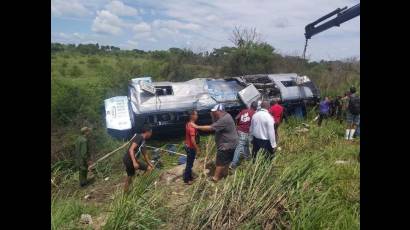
(354, 105)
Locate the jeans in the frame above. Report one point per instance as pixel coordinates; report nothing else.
(265, 144)
(189, 164)
(242, 147)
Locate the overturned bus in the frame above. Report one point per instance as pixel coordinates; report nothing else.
(165, 105)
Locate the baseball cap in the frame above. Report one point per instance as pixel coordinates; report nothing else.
(218, 107)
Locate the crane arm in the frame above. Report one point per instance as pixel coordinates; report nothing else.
(343, 15)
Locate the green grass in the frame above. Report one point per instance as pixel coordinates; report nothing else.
(66, 212)
(135, 210)
(302, 188)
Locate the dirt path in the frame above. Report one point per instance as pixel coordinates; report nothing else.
(102, 191)
(178, 193)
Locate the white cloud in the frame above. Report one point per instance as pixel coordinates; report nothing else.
(132, 43)
(120, 9)
(281, 23)
(107, 23)
(152, 40)
(73, 8)
(205, 23)
(74, 38)
(142, 27)
(175, 25)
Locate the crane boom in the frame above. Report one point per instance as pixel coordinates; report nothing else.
(343, 15)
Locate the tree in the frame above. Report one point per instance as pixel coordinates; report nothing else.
(242, 37)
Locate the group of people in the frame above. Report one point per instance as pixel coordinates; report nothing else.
(347, 106)
(257, 124)
(232, 138)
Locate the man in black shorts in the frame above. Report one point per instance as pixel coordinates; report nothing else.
(226, 138)
(130, 159)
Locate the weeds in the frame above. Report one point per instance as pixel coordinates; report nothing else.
(302, 188)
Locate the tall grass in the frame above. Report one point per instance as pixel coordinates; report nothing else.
(66, 212)
(302, 188)
(135, 210)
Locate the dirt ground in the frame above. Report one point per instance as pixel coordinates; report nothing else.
(101, 192)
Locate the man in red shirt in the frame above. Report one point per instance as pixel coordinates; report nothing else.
(277, 113)
(243, 121)
(191, 147)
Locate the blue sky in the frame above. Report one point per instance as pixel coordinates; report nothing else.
(202, 25)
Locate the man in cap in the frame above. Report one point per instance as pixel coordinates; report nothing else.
(82, 153)
(226, 139)
(353, 114)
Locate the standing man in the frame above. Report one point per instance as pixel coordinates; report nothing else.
(226, 139)
(132, 160)
(353, 114)
(263, 131)
(191, 147)
(82, 153)
(243, 123)
(324, 108)
(277, 113)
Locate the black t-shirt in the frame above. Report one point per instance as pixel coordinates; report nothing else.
(140, 141)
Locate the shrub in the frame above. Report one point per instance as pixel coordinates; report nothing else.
(76, 71)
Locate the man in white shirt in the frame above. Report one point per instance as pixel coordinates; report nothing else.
(263, 131)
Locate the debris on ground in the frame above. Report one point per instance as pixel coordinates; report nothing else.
(301, 130)
(86, 219)
(177, 193)
(341, 162)
(87, 197)
(107, 178)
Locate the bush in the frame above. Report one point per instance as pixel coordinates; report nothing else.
(76, 71)
(93, 62)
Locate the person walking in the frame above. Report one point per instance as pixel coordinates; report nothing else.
(263, 132)
(243, 123)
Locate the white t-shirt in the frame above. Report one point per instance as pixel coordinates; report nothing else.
(262, 126)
